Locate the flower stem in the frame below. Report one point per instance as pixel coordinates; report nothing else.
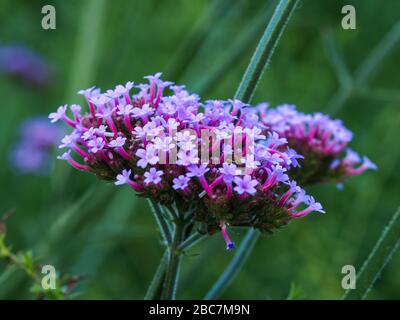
(265, 49)
(235, 265)
(161, 221)
(245, 91)
(155, 288)
(171, 277)
(193, 239)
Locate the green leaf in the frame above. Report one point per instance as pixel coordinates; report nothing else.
(381, 254)
(295, 292)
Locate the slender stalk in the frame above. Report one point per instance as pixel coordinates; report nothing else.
(265, 49)
(245, 91)
(238, 261)
(154, 290)
(386, 246)
(161, 221)
(193, 239)
(171, 276)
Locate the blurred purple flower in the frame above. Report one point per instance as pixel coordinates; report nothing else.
(23, 62)
(31, 154)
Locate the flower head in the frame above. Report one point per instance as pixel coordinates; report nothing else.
(247, 172)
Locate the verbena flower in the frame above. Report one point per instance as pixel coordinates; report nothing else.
(321, 140)
(23, 62)
(31, 153)
(222, 158)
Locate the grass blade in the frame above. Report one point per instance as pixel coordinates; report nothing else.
(375, 58)
(366, 69)
(265, 49)
(386, 246)
(336, 59)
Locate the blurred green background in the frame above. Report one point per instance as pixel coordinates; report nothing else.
(87, 227)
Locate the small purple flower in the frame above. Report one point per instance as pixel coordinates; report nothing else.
(101, 130)
(88, 92)
(144, 111)
(368, 164)
(122, 90)
(67, 141)
(123, 177)
(100, 100)
(65, 156)
(293, 156)
(89, 134)
(229, 171)
(275, 141)
(96, 145)
(187, 157)
(117, 143)
(59, 114)
(124, 110)
(181, 183)
(153, 176)
(147, 156)
(163, 143)
(245, 185)
(197, 171)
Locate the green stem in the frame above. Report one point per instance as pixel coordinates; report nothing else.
(245, 91)
(171, 276)
(265, 49)
(238, 261)
(379, 257)
(161, 221)
(193, 239)
(154, 290)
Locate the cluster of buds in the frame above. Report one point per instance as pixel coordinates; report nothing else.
(215, 158)
(321, 140)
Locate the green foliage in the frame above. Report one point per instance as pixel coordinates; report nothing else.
(25, 261)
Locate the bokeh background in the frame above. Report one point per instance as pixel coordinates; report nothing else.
(86, 227)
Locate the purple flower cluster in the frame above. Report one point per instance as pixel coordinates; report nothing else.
(151, 141)
(31, 154)
(321, 140)
(22, 62)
